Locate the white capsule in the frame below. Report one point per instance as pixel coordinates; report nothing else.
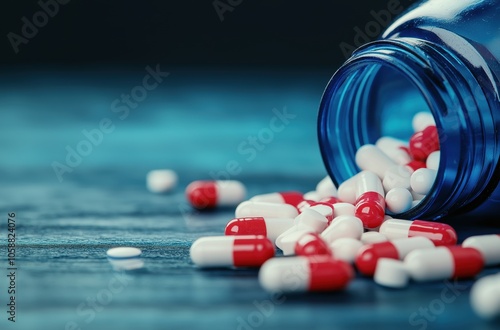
(421, 120)
(312, 196)
(311, 219)
(124, 252)
(345, 248)
(433, 159)
(347, 190)
(394, 149)
(326, 188)
(391, 273)
(398, 200)
(368, 182)
(371, 237)
(270, 210)
(397, 176)
(324, 210)
(161, 181)
(343, 209)
(209, 194)
(371, 158)
(422, 180)
(343, 226)
(485, 296)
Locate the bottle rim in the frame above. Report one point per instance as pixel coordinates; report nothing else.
(447, 85)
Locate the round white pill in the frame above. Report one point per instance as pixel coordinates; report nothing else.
(485, 296)
(433, 159)
(123, 252)
(371, 237)
(346, 248)
(422, 180)
(391, 273)
(398, 200)
(160, 181)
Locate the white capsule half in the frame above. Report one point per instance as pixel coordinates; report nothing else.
(368, 182)
(260, 209)
(343, 226)
(347, 190)
(343, 209)
(391, 273)
(394, 149)
(311, 219)
(326, 188)
(487, 245)
(397, 176)
(370, 158)
(345, 248)
(371, 237)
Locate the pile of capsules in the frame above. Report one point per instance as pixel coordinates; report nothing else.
(323, 233)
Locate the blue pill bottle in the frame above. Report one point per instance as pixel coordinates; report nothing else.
(441, 56)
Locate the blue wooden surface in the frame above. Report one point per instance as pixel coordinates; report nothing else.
(192, 124)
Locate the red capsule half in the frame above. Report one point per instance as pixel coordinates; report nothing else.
(424, 142)
(311, 244)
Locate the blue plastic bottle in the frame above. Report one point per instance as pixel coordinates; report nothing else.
(441, 56)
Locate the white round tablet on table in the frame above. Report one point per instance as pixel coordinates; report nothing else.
(391, 273)
(123, 252)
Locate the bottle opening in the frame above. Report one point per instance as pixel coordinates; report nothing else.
(370, 100)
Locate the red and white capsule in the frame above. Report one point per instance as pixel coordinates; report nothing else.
(261, 209)
(488, 245)
(210, 194)
(438, 233)
(269, 227)
(231, 251)
(302, 274)
(287, 197)
(311, 244)
(368, 256)
(444, 262)
(424, 142)
(370, 202)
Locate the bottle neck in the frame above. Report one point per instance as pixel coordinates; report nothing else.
(379, 89)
